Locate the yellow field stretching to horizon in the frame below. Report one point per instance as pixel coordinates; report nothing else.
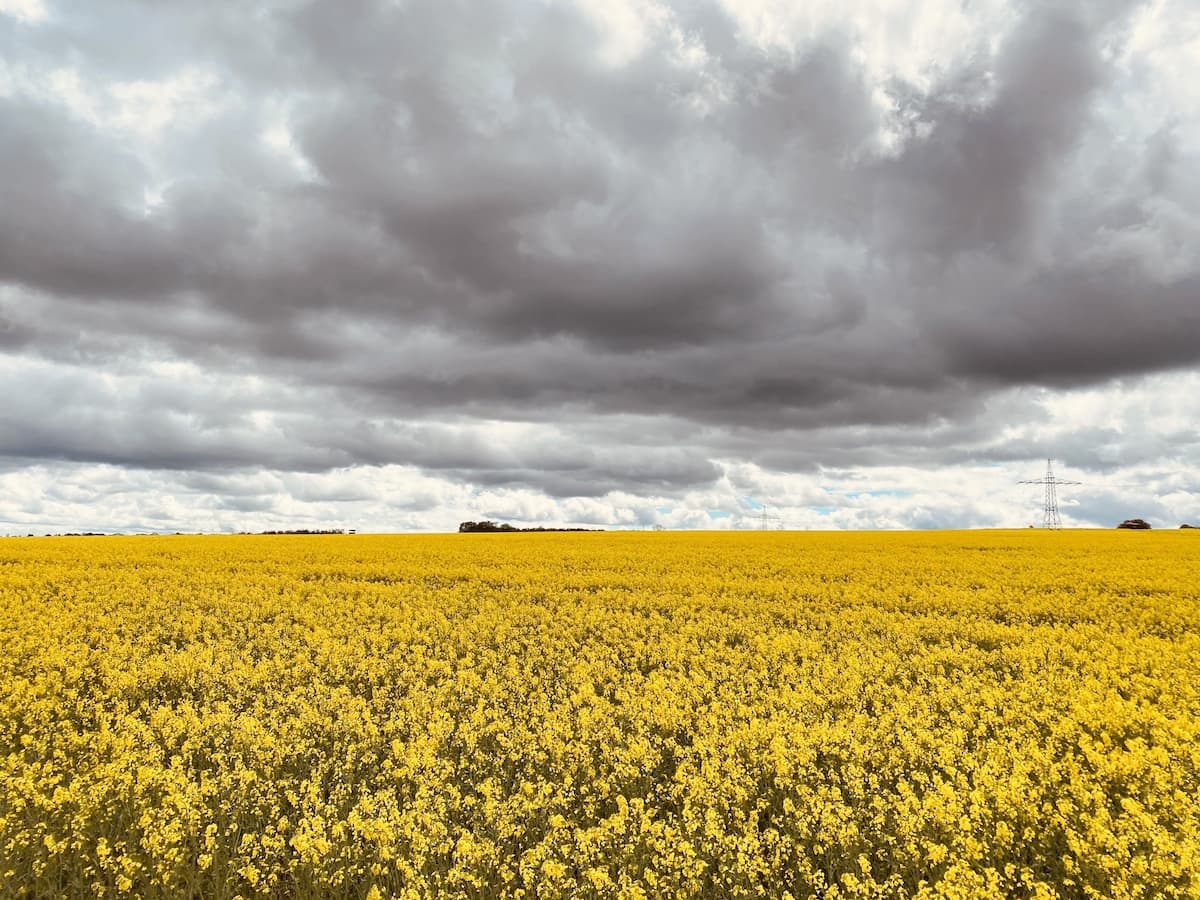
(959, 714)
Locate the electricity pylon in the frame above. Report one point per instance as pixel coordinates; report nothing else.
(764, 519)
(1050, 517)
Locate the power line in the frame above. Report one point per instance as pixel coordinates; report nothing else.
(1050, 517)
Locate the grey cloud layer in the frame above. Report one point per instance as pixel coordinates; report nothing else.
(709, 250)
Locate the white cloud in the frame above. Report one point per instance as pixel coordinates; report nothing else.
(895, 38)
(626, 26)
(147, 107)
(25, 11)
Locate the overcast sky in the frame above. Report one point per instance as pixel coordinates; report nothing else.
(393, 264)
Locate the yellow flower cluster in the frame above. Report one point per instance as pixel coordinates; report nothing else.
(983, 714)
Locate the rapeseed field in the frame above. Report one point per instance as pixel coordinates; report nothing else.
(959, 714)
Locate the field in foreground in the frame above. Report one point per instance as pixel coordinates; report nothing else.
(602, 715)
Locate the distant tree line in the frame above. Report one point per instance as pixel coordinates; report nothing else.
(304, 531)
(489, 526)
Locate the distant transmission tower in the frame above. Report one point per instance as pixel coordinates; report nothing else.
(1050, 517)
(765, 519)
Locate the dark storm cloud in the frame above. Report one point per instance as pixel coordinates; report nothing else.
(977, 181)
(472, 214)
(65, 227)
(1072, 326)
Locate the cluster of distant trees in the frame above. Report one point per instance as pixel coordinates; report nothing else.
(308, 531)
(489, 526)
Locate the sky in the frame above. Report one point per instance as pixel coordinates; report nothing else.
(395, 264)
